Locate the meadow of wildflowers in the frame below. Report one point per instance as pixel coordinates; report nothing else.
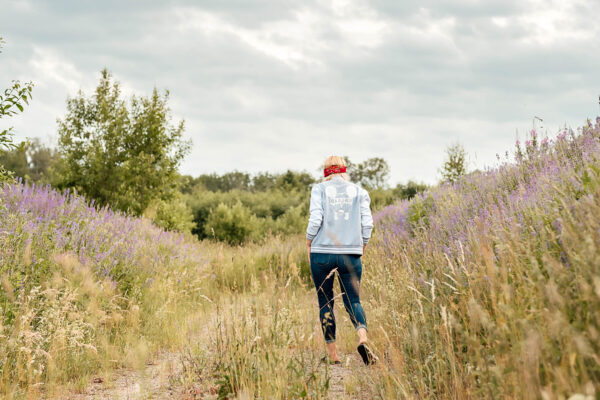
(86, 291)
(82, 286)
(490, 287)
(486, 288)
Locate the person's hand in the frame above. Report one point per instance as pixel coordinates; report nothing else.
(364, 248)
(308, 243)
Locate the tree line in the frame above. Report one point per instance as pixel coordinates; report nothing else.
(125, 153)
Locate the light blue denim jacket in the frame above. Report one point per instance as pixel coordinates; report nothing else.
(340, 217)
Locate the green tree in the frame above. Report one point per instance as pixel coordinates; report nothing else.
(15, 162)
(125, 155)
(12, 102)
(408, 190)
(211, 182)
(291, 180)
(187, 184)
(33, 161)
(223, 183)
(455, 165)
(42, 160)
(263, 181)
(372, 173)
(236, 180)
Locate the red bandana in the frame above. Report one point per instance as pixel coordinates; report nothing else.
(334, 169)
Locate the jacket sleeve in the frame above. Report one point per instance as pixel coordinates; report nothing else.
(366, 220)
(316, 213)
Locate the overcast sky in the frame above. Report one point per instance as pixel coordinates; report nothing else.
(267, 85)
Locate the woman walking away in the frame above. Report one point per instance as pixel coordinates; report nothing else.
(338, 230)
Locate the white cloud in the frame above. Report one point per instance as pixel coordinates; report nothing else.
(49, 66)
(431, 31)
(267, 84)
(359, 24)
(501, 22)
(21, 5)
(279, 44)
(304, 40)
(551, 22)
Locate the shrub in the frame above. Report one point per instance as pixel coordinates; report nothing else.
(234, 225)
(293, 220)
(417, 212)
(265, 209)
(172, 214)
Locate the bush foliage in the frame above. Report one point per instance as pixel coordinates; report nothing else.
(271, 203)
(119, 154)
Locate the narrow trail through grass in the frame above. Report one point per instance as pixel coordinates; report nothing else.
(204, 365)
(157, 380)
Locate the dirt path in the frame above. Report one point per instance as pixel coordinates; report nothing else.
(159, 379)
(342, 378)
(155, 381)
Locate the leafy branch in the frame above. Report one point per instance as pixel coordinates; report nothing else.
(12, 102)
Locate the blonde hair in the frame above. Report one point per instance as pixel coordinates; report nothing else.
(334, 160)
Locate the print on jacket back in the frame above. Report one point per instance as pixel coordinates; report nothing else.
(340, 217)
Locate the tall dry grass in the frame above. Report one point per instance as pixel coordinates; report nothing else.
(85, 290)
(259, 337)
(490, 288)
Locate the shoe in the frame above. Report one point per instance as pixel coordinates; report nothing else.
(326, 360)
(367, 355)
